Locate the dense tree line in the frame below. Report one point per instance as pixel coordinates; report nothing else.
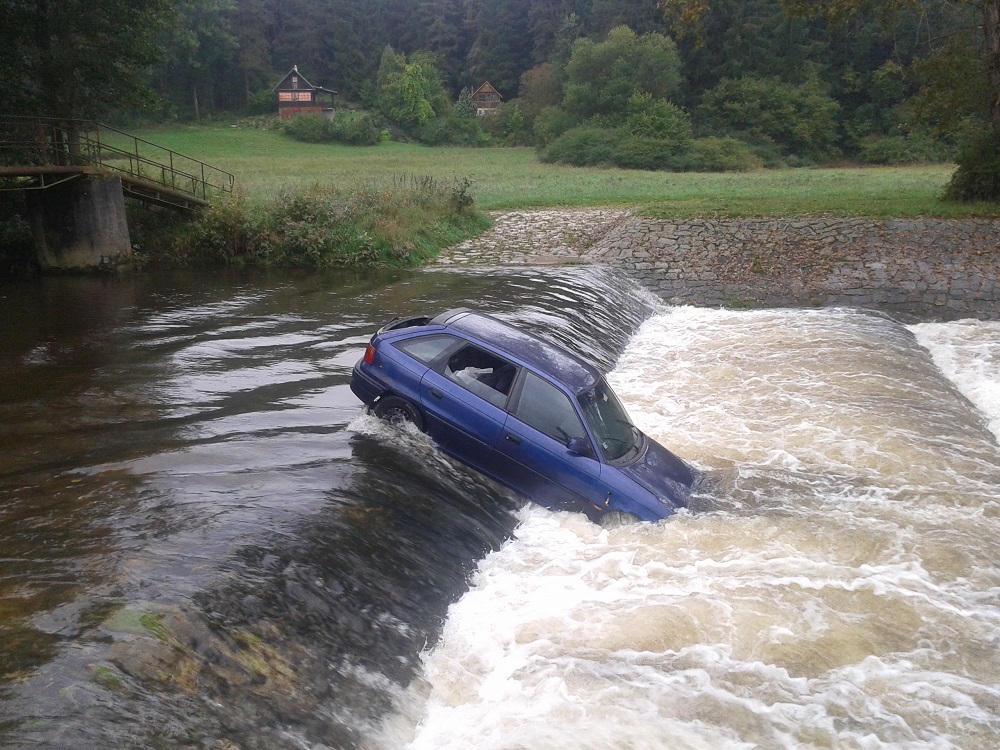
(697, 80)
(885, 87)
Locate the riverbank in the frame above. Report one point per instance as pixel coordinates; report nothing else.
(931, 268)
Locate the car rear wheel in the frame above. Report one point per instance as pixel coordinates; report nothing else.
(398, 410)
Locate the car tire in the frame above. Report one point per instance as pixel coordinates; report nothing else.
(617, 518)
(396, 410)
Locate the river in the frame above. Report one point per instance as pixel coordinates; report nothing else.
(204, 542)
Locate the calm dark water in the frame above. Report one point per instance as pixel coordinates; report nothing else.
(204, 543)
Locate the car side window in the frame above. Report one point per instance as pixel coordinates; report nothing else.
(483, 373)
(548, 410)
(426, 349)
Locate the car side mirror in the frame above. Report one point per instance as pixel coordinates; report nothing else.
(580, 447)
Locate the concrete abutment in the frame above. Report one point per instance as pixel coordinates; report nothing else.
(80, 224)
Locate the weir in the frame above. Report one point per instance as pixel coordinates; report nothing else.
(191, 490)
(78, 173)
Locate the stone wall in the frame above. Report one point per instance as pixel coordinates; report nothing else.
(936, 267)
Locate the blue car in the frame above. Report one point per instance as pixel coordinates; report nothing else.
(521, 410)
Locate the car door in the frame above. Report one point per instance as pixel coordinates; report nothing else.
(464, 398)
(533, 455)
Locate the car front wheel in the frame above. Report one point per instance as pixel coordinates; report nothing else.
(397, 410)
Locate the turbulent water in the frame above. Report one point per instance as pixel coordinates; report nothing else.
(205, 543)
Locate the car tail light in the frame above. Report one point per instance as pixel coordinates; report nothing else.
(370, 355)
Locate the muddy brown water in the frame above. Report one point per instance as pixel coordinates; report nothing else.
(204, 543)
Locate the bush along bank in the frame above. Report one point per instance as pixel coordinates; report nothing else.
(397, 225)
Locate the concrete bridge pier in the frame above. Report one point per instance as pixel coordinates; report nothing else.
(80, 224)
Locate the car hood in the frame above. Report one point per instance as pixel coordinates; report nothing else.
(662, 473)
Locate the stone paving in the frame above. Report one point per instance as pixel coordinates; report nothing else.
(544, 237)
(927, 267)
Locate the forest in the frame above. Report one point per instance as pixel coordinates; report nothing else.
(676, 84)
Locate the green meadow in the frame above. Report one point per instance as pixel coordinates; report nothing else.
(267, 163)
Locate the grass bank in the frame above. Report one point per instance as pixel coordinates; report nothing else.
(396, 225)
(266, 163)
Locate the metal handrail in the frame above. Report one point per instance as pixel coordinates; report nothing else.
(60, 142)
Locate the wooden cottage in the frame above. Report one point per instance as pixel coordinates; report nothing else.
(486, 99)
(296, 96)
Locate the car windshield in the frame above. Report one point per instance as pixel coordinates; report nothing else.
(607, 418)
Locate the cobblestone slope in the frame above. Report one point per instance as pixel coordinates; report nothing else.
(928, 267)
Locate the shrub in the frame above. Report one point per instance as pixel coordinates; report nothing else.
(506, 125)
(261, 103)
(591, 145)
(351, 129)
(225, 234)
(800, 119)
(585, 145)
(647, 153)
(722, 155)
(453, 131)
(465, 132)
(354, 130)
(904, 149)
(659, 119)
(978, 175)
(551, 123)
(310, 128)
(393, 225)
(434, 133)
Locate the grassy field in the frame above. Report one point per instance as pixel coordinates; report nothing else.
(265, 162)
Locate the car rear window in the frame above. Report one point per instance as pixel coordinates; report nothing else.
(426, 349)
(483, 373)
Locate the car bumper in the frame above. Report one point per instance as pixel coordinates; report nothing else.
(364, 386)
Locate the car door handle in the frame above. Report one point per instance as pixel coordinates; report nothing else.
(436, 393)
(513, 439)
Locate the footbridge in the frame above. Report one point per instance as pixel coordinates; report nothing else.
(77, 174)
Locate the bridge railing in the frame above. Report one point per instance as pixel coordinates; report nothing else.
(53, 143)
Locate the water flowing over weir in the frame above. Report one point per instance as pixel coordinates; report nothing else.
(838, 587)
(204, 544)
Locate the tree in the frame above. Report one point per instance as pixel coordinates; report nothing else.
(800, 119)
(539, 89)
(688, 15)
(199, 45)
(639, 15)
(440, 24)
(335, 43)
(465, 109)
(410, 94)
(502, 50)
(988, 12)
(249, 27)
(78, 58)
(602, 78)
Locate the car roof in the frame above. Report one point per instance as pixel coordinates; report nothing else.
(544, 356)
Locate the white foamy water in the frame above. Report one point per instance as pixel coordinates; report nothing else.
(968, 352)
(836, 587)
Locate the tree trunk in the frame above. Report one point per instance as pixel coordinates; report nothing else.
(991, 35)
(194, 101)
